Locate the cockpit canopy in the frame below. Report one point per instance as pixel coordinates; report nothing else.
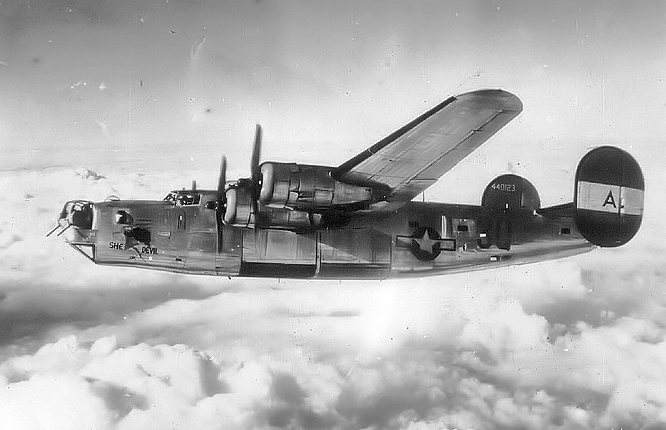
(183, 198)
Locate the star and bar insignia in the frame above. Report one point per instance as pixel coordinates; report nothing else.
(426, 244)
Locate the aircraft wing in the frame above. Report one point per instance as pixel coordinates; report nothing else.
(414, 157)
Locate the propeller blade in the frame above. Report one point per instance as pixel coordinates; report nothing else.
(256, 172)
(221, 191)
(222, 182)
(256, 155)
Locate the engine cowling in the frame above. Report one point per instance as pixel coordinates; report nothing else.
(308, 188)
(239, 210)
(608, 196)
(509, 193)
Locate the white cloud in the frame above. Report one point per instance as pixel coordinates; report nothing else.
(577, 343)
(52, 401)
(492, 372)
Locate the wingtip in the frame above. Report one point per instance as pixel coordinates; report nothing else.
(496, 96)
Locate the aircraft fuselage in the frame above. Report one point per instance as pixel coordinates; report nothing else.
(419, 239)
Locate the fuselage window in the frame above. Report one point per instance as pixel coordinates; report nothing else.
(123, 217)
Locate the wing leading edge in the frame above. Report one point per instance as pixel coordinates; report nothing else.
(414, 157)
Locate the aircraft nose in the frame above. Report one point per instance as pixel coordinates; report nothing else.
(74, 213)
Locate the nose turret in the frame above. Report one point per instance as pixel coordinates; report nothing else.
(74, 213)
(77, 216)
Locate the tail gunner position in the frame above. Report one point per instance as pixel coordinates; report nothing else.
(358, 220)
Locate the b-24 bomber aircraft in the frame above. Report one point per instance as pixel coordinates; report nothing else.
(358, 220)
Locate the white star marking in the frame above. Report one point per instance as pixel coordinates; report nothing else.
(426, 243)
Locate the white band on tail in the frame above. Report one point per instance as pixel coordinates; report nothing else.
(609, 198)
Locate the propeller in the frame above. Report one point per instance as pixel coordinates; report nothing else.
(252, 184)
(221, 184)
(256, 154)
(256, 171)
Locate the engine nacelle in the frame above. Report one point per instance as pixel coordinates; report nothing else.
(510, 193)
(288, 218)
(293, 196)
(608, 196)
(309, 188)
(239, 209)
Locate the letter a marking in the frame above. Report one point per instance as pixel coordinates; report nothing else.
(610, 200)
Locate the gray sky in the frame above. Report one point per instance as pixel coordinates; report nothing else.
(122, 77)
(148, 95)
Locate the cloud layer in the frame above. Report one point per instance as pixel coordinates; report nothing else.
(576, 343)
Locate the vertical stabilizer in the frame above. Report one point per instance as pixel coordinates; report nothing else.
(608, 196)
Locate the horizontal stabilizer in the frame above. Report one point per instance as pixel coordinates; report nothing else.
(557, 212)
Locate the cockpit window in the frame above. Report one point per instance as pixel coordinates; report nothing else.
(183, 198)
(188, 199)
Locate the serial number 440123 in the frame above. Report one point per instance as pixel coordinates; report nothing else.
(504, 187)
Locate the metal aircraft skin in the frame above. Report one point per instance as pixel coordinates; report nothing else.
(358, 220)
